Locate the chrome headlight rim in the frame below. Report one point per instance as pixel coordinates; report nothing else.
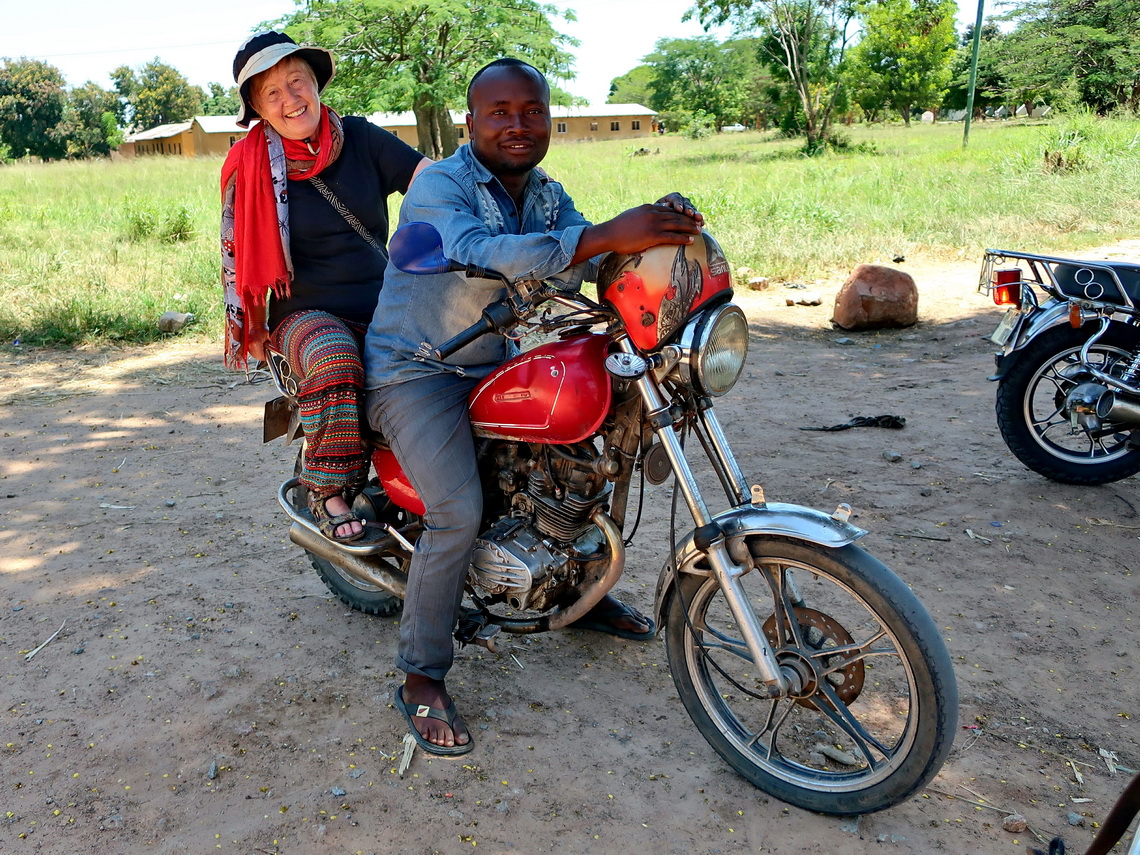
(700, 346)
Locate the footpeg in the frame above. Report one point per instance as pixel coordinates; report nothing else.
(474, 629)
(486, 637)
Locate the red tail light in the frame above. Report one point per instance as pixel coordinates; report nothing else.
(1007, 287)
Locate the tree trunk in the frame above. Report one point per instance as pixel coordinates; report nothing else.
(426, 130)
(448, 138)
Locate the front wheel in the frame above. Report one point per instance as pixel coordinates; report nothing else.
(1034, 418)
(874, 716)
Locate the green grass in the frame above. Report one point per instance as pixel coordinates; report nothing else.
(95, 252)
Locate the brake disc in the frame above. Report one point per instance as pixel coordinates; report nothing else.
(820, 633)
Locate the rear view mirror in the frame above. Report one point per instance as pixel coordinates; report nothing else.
(418, 248)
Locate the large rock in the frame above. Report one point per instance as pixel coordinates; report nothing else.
(876, 297)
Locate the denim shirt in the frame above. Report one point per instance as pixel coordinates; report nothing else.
(480, 225)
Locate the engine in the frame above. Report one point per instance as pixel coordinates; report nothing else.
(540, 539)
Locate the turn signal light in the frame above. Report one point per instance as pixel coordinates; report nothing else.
(1007, 287)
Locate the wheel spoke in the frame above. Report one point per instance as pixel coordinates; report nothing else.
(843, 718)
(771, 728)
(851, 653)
(703, 634)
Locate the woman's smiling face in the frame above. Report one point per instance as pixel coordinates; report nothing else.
(286, 97)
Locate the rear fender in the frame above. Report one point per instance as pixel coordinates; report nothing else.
(1053, 314)
(773, 519)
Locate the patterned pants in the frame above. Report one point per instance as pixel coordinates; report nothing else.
(325, 351)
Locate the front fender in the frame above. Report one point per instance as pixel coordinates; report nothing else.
(738, 524)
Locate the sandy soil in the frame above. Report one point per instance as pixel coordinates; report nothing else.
(206, 694)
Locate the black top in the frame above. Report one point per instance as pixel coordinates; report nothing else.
(334, 269)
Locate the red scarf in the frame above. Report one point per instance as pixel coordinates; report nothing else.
(259, 255)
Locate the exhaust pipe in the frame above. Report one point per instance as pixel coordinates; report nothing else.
(1118, 409)
(358, 567)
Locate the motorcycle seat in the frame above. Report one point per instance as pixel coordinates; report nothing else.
(1110, 281)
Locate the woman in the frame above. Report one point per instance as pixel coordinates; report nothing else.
(304, 221)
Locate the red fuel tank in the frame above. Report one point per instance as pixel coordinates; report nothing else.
(657, 290)
(557, 393)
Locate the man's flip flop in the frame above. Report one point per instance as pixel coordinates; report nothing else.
(447, 716)
(601, 618)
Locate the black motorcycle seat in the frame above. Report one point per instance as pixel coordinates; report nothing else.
(1093, 280)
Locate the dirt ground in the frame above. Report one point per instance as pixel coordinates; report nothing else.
(204, 692)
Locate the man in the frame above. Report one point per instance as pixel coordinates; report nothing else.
(494, 209)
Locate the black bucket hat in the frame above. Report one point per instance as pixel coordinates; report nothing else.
(261, 52)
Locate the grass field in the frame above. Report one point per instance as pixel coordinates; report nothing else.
(96, 251)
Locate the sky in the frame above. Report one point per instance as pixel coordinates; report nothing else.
(86, 40)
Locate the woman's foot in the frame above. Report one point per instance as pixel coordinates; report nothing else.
(335, 518)
(419, 690)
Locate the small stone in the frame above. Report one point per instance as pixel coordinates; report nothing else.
(926, 491)
(213, 772)
(337, 791)
(758, 283)
(174, 322)
(892, 456)
(79, 650)
(916, 464)
(1019, 636)
(1075, 819)
(815, 758)
(1015, 823)
(851, 826)
(356, 773)
(844, 340)
(809, 298)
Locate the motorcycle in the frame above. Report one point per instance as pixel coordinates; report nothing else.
(805, 662)
(1068, 372)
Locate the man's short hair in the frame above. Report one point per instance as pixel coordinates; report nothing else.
(508, 62)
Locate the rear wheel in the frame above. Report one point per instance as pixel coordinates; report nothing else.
(874, 717)
(1034, 419)
(370, 599)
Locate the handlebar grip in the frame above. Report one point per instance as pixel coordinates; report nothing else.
(464, 338)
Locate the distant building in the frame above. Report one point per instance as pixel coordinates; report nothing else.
(604, 122)
(211, 135)
(202, 135)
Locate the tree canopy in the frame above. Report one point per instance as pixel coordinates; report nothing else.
(157, 95)
(395, 53)
(903, 58)
(804, 41)
(32, 101)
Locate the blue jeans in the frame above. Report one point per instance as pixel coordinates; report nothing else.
(425, 422)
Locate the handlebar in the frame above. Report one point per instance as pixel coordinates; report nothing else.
(495, 317)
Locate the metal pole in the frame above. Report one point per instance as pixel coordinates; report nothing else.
(973, 74)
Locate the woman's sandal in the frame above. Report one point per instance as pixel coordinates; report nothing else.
(328, 524)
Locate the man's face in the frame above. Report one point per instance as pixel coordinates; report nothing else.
(509, 122)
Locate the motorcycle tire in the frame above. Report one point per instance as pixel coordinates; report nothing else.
(1031, 416)
(876, 713)
(370, 599)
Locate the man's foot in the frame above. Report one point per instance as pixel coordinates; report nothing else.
(335, 518)
(617, 618)
(421, 692)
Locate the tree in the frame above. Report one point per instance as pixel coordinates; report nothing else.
(802, 40)
(1092, 44)
(905, 52)
(88, 126)
(157, 95)
(222, 101)
(698, 76)
(32, 100)
(392, 54)
(991, 85)
(632, 87)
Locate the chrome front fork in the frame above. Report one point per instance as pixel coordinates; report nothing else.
(725, 570)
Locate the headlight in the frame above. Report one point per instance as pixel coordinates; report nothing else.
(714, 344)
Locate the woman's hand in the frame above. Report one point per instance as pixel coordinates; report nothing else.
(257, 340)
